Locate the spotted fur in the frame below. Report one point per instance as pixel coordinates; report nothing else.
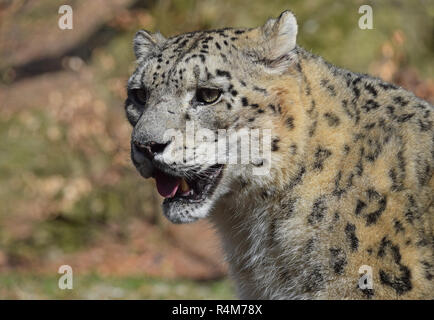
(351, 172)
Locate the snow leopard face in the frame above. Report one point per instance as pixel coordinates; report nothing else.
(190, 95)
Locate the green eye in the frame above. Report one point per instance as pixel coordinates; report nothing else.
(139, 96)
(207, 95)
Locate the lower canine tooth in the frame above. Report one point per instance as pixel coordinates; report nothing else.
(184, 186)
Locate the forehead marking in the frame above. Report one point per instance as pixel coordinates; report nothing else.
(184, 44)
(193, 45)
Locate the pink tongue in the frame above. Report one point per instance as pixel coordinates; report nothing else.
(166, 185)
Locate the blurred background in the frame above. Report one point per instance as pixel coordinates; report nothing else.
(68, 191)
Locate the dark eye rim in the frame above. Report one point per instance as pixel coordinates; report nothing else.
(218, 95)
(138, 96)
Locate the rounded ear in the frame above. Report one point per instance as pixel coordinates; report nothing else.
(146, 43)
(279, 39)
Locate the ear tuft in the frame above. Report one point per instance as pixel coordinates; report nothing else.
(146, 43)
(279, 36)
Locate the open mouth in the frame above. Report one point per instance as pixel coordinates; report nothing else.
(194, 189)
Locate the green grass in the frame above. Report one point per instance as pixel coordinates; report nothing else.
(28, 286)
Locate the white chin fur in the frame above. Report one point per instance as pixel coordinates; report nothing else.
(179, 213)
(186, 213)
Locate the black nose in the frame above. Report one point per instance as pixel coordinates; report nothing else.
(150, 149)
